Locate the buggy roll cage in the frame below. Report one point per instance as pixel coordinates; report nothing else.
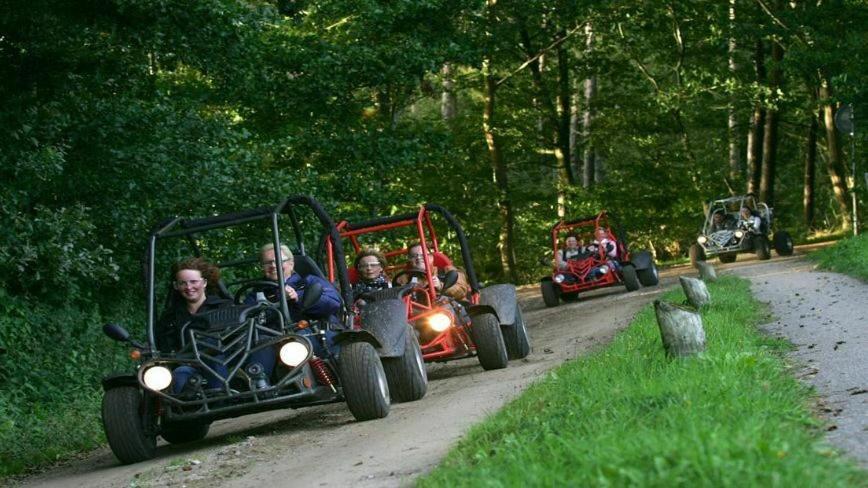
(602, 219)
(422, 221)
(748, 200)
(188, 228)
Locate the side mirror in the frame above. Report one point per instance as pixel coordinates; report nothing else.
(116, 332)
(450, 279)
(311, 295)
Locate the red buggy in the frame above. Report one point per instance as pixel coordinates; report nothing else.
(602, 260)
(487, 323)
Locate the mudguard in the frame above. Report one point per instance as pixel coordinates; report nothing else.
(502, 298)
(119, 379)
(386, 320)
(641, 260)
(350, 336)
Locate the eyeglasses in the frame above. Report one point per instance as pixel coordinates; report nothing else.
(183, 283)
(415, 255)
(369, 265)
(272, 262)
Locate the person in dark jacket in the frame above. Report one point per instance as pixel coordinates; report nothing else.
(370, 266)
(295, 285)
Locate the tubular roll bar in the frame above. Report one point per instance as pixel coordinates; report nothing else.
(177, 227)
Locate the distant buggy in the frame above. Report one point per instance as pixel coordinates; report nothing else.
(727, 231)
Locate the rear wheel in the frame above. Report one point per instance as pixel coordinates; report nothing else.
(182, 432)
(490, 348)
(406, 375)
(783, 243)
(697, 253)
(515, 337)
(549, 292)
(128, 424)
(727, 257)
(761, 247)
(631, 281)
(364, 381)
(649, 276)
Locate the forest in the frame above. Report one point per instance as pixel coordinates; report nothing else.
(117, 114)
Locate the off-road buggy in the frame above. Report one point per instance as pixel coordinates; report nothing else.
(487, 323)
(595, 265)
(318, 360)
(725, 233)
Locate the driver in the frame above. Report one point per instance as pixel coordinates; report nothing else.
(417, 262)
(722, 221)
(294, 285)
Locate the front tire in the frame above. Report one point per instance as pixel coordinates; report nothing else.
(406, 375)
(649, 276)
(697, 253)
(515, 337)
(549, 292)
(490, 348)
(631, 281)
(183, 432)
(128, 424)
(364, 381)
(783, 243)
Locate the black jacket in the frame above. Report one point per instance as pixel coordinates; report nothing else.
(168, 329)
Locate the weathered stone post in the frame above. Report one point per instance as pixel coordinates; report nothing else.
(706, 271)
(680, 329)
(696, 291)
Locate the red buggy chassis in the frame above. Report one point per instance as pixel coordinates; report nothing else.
(488, 323)
(595, 269)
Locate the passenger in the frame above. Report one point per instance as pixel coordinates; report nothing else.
(370, 265)
(750, 222)
(192, 277)
(574, 249)
(605, 248)
(294, 286)
(417, 262)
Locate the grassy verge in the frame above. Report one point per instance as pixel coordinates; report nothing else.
(848, 256)
(626, 415)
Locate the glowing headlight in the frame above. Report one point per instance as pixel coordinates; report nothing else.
(439, 321)
(739, 234)
(702, 239)
(157, 378)
(603, 270)
(293, 353)
(559, 278)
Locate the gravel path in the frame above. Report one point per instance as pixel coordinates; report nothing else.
(826, 316)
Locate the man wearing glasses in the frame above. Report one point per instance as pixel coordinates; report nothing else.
(294, 286)
(439, 264)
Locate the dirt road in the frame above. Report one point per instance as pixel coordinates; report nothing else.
(324, 446)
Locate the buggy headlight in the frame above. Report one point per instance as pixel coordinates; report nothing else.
(439, 321)
(559, 278)
(739, 234)
(293, 353)
(702, 239)
(157, 378)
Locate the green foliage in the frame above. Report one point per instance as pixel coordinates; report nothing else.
(627, 415)
(848, 256)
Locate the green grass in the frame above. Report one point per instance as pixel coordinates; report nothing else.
(627, 415)
(848, 256)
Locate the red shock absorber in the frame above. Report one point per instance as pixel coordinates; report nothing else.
(322, 373)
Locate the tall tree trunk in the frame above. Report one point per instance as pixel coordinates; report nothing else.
(757, 124)
(563, 136)
(835, 166)
(810, 173)
(735, 171)
(575, 117)
(590, 157)
(770, 136)
(448, 101)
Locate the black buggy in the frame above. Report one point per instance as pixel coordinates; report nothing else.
(141, 405)
(726, 233)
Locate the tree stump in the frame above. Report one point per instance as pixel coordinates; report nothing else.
(696, 291)
(680, 329)
(706, 272)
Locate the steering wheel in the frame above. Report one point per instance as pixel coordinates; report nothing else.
(238, 297)
(411, 273)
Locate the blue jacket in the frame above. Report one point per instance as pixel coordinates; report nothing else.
(326, 307)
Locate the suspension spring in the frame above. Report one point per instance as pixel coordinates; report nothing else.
(322, 372)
